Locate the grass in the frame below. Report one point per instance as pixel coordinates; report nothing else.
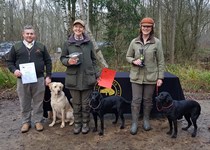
(193, 78)
(7, 79)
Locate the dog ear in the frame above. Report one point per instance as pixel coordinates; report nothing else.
(50, 85)
(169, 98)
(100, 95)
(61, 85)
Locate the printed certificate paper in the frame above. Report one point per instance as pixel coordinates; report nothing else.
(28, 73)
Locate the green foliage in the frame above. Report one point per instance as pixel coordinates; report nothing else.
(58, 66)
(192, 78)
(7, 79)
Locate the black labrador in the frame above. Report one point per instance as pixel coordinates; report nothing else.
(175, 110)
(101, 106)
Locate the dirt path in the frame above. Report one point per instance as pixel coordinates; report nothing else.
(54, 138)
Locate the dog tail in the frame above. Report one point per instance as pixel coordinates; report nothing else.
(125, 100)
(198, 110)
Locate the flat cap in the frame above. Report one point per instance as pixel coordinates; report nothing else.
(147, 21)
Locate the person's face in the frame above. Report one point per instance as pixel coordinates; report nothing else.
(78, 29)
(146, 29)
(29, 35)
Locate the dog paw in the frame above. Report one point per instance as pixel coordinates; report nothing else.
(185, 129)
(58, 121)
(114, 122)
(94, 129)
(62, 125)
(169, 132)
(52, 124)
(100, 133)
(71, 123)
(173, 136)
(193, 135)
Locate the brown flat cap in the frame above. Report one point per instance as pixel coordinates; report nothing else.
(147, 21)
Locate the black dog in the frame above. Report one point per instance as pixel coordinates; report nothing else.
(175, 110)
(101, 106)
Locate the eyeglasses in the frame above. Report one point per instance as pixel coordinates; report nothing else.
(146, 26)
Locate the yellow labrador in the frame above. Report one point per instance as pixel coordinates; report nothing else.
(60, 105)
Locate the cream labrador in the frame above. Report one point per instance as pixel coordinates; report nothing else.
(61, 107)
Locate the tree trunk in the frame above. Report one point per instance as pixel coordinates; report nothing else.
(4, 21)
(11, 16)
(173, 31)
(32, 13)
(96, 48)
(160, 19)
(24, 12)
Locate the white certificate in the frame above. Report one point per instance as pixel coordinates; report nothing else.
(28, 73)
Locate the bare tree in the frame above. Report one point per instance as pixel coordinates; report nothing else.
(4, 20)
(33, 11)
(24, 11)
(160, 18)
(173, 31)
(96, 48)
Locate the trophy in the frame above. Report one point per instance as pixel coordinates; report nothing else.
(141, 58)
(75, 56)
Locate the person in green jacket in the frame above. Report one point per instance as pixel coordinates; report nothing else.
(146, 57)
(81, 74)
(30, 95)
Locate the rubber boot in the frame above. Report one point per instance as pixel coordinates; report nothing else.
(146, 123)
(85, 128)
(135, 117)
(77, 128)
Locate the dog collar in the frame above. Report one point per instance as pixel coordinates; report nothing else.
(96, 106)
(164, 108)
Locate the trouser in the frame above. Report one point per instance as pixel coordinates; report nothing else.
(142, 92)
(31, 99)
(80, 102)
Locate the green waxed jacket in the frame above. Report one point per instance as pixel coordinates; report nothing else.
(84, 75)
(154, 61)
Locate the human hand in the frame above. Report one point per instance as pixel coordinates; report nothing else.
(159, 82)
(17, 73)
(47, 81)
(73, 60)
(137, 62)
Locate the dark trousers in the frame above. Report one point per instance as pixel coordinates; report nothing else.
(142, 92)
(80, 102)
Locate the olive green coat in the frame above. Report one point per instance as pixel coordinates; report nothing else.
(82, 76)
(154, 61)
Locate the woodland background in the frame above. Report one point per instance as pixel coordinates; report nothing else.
(183, 26)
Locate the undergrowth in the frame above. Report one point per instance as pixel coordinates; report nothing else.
(192, 78)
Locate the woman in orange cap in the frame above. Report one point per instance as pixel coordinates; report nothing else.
(146, 57)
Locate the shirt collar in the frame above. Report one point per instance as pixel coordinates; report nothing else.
(79, 38)
(25, 42)
(28, 45)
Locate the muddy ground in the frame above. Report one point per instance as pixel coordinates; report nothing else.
(55, 138)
